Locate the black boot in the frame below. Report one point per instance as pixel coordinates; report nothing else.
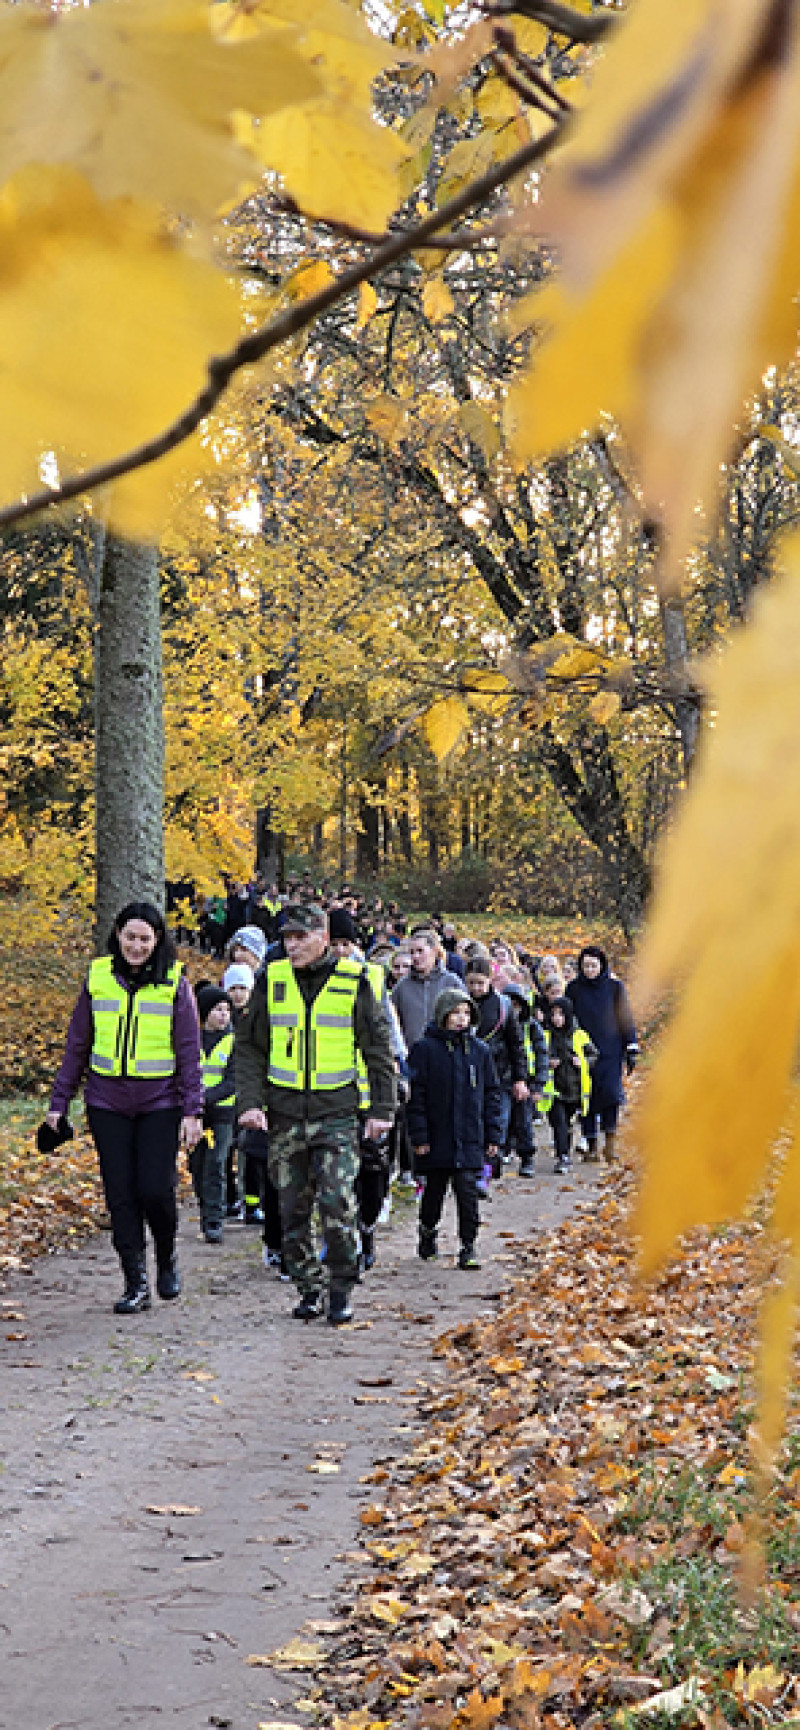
(309, 1307)
(340, 1308)
(168, 1280)
(367, 1247)
(136, 1296)
(427, 1248)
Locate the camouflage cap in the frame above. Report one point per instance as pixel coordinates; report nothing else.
(303, 916)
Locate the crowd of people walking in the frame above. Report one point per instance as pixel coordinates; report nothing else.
(339, 1051)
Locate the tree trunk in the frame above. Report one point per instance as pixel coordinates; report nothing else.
(270, 849)
(593, 796)
(129, 733)
(687, 707)
(367, 838)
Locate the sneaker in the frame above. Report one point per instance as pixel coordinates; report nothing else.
(213, 1234)
(253, 1215)
(591, 1154)
(427, 1248)
(309, 1307)
(467, 1258)
(235, 1212)
(270, 1257)
(562, 1165)
(367, 1248)
(340, 1309)
(526, 1168)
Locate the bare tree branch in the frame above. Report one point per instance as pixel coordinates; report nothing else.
(560, 19)
(222, 368)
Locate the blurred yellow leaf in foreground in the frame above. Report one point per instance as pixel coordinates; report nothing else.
(104, 327)
(726, 931)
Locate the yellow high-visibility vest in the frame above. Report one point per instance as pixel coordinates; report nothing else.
(312, 1047)
(132, 1030)
(377, 979)
(580, 1040)
(214, 1065)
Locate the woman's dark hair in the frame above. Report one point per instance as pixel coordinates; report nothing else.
(156, 968)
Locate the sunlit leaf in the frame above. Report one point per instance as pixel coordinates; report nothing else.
(444, 724)
(367, 305)
(437, 301)
(742, 819)
(335, 161)
(140, 313)
(386, 415)
(138, 96)
(477, 423)
(604, 707)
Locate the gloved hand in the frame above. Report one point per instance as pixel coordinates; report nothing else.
(49, 1138)
(630, 1061)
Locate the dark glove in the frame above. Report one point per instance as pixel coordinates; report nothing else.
(254, 1144)
(47, 1139)
(630, 1061)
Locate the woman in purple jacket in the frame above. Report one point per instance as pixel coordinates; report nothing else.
(134, 1033)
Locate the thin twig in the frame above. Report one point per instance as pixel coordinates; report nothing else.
(222, 368)
(530, 85)
(560, 19)
(452, 240)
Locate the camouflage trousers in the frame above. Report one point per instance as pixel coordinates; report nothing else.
(313, 1166)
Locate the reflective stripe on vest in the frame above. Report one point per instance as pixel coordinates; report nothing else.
(214, 1065)
(132, 1031)
(314, 1047)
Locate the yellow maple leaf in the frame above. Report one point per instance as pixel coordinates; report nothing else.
(309, 278)
(604, 707)
(367, 305)
(444, 724)
(700, 147)
(336, 162)
(476, 421)
(332, 36)
(777, 1331)
(437, 301)
(726, 924)
(387, 416)
(106, 323)
(138, 95)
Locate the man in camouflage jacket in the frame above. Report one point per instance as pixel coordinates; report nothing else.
(313, 1128)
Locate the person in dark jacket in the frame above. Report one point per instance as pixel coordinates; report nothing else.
(602, 1007)
(134, 1033)
(455, 1119)
(522, 1110)
(571, 1055)
(208, 1161)
(498, 1026)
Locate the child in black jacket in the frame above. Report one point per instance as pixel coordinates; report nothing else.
(455, 1119)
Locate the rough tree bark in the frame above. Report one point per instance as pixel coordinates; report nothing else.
(129, 732)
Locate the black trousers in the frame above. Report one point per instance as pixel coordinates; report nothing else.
(465, 1190)
(372, 1188)
(139, 1167)
(561, 1115)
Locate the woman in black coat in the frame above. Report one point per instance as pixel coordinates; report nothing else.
(603, 1010)
(454, 1119)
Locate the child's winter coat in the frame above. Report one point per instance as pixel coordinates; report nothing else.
(456, 1101)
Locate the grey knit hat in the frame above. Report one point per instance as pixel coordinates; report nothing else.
(251, 938)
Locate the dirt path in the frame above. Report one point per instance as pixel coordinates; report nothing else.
(179, 1490)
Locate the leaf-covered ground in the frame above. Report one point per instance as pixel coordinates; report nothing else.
(573, 1540)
